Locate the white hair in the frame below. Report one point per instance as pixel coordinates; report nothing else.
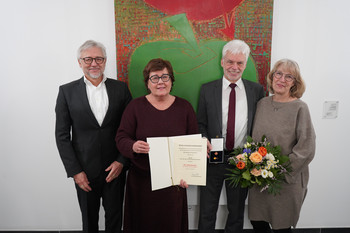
(236, 47)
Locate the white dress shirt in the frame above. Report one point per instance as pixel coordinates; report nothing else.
(98, 99)
(241, 119)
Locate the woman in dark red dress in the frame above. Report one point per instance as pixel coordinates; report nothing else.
(157, 114)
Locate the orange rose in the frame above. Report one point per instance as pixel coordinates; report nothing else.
(262, 150)
(240, 165)
(255, 157)
(255, 172)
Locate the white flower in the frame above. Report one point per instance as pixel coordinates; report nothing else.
(247, 145)
(264, 173)
(270, 157)
(270, 174)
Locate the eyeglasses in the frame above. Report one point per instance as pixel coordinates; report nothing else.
(89, 60)
(287, 77)
(156, 78)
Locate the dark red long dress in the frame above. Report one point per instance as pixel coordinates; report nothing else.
(164, 210)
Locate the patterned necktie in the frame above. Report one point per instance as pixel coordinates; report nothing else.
(230, 133)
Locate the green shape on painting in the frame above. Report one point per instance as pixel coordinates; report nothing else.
(194, 63)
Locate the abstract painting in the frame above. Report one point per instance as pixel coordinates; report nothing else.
(191, 35)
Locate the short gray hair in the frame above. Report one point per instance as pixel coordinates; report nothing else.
(236, 47)
(91, 43)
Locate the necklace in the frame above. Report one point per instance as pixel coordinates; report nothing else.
(280, 104)
(275, 109)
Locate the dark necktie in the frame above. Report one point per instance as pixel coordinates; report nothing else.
(231, 118)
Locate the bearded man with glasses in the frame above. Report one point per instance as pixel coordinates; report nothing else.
(88, 113)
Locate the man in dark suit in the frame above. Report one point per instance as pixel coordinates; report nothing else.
(216, 110)
(88, 113)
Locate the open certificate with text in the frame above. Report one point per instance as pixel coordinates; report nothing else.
(174, 158)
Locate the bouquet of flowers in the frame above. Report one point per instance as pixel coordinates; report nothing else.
(258, 163)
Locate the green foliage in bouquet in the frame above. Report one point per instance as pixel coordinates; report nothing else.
(258, 163)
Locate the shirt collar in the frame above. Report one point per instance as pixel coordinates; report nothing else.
(226, 83)
(87, 82)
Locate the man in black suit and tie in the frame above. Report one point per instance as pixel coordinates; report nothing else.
(226, 110)
(88, 113)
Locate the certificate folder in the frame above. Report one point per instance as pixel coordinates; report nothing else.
(175, 158)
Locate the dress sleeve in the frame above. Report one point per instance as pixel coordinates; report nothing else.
(126, 137)
(192, 126)
(126, 100)
(304, 150)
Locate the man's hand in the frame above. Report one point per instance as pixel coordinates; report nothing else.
(114, 170)
(209, 148)
(82, 181)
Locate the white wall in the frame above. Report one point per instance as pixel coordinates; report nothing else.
(316, 34)
(39, 40)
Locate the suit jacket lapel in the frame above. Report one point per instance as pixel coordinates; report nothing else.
(250, 102)
(218, 102)
(111, 99)
(84, 99)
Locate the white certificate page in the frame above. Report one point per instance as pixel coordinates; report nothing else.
(159, 162)
(162, 160)
(190, 161)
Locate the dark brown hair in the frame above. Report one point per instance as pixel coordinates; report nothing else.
(156, 65)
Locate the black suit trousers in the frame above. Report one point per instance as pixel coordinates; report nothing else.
(112, 195)
(209, 201)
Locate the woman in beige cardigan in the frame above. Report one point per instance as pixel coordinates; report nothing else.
(285, 120)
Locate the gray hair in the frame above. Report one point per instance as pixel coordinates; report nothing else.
(91, 43)
(298, 88)
(236, 47)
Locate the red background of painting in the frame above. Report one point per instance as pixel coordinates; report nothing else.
(195, 9)
(138, 22)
